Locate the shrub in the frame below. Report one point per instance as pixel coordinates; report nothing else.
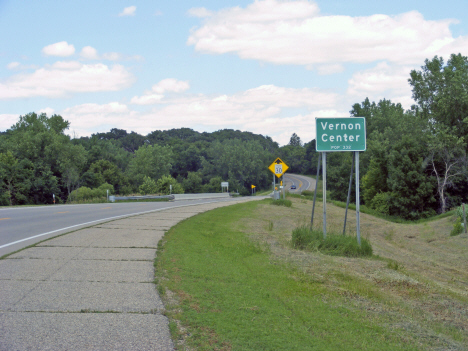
(163, 186)
(282, 202)
(84, 193)
(457, 228)
(305, 238)
(307, 193)
(460, 211)
(380, 203)
(148, 186)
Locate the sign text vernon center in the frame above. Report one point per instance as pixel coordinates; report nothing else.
(341, 134)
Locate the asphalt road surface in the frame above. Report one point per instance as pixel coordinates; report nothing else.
(23, 226)
(300, 181)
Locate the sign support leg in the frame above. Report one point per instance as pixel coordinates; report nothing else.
(315, 191)
(349, 194)
(324, 180)
(358, 224)
(284, 191)
(464, 217)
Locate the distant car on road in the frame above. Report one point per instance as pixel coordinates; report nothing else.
(293, 187)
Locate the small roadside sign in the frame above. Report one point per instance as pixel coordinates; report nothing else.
(278, 167)
(253, 186)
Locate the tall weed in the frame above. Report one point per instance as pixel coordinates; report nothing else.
(305, 238)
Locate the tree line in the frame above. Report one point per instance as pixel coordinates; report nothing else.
(39, 161)
(415, 164)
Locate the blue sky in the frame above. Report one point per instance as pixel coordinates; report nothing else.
(269, 67)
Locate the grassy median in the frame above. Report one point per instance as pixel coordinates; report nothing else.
(231, 280)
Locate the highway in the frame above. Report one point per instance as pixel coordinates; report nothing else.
(300, 181)
(23, 226)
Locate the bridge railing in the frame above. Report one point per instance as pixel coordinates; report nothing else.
(113, 198)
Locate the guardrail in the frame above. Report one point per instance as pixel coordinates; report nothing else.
(113, 198)
(178, 197)
(175, 197)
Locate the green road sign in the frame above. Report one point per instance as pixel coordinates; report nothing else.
(341, 134)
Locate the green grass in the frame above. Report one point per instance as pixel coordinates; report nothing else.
(309, 195)
(334, 244)
(365, 209)
(229, 295)
(281, 202)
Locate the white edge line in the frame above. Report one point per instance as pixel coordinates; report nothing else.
(100, 220)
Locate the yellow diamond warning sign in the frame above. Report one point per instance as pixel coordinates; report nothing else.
(278, 167)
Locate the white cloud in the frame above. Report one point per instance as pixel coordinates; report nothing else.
(148, 99)
(89, 53)
(267, 110)
(66, 77)
(49, 111)
(62, 49)
(91, 118)
(294, 32)
(200, 12)
(157, 91)
(17, 66)
(7, 120)
(111, 56)
(330, 69)
(382, 81)
(170, 84)
(128, 11)
(13, 65)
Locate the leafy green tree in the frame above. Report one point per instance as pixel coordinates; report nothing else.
(15, 180)
(214, 185)
(164, 184)
(101, 149)
(295, 157)
(395, 160)
(106, 172)
(193, 183)
(243, 162)
(411, 188)
(187, 158)
(41, 140)
(295, 140)
(448, 162)
(149, 186)
(71, 161)
(153, 161)
(338, 170)
(311, 158)
(441, 93)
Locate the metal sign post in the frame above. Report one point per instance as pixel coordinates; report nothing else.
(324, 181)
(341, 134)
(464, 217)
(358, 223)
(315, 191)
(349, 194)
(278, 168)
